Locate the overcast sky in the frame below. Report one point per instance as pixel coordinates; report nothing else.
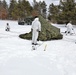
(56, 2)
(47, 1)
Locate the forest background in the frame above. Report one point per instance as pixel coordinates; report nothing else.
(61, 13)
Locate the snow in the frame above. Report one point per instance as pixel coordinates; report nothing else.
(17, 58)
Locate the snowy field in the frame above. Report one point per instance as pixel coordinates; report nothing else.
(17, 58)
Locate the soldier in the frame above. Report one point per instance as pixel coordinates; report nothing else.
(69, 28)
(7, 27)
(36, 28)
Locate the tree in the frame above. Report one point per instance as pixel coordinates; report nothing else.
(4, 3)
(53, 12)
(43, 7)
(19, 9)
(26, 7)
(11, 8)
(68, 10)
(63, 12)
(40, 7)
(3, 10)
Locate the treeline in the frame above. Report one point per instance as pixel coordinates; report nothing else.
(64, 12)
(21, 9)
(15, 9)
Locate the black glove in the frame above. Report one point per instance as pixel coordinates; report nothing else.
(38, 39)
(37, 30)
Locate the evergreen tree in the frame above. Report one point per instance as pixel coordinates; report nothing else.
(40, 7)
(65, 11)
(0, 2)
(19, 9)
(53, 12)
(11, 8)
(68, 10)
(3, 9)
(44, 9)
(4, 3)
(35, 5)
(26, 7)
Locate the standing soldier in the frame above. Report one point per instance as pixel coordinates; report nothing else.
(36, 28)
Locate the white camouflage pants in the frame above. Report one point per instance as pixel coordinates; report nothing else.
(34, 36)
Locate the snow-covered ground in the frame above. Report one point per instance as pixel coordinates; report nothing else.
(17, 58)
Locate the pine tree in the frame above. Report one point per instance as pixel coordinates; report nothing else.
(4, 3)
(53, 12)
(11, 8)
(65, 11)
(35, 5)
(3, 10)
(0, 2)
(40, 7)
(27, 7)
(19, 9)
(68, 10)
(44, 9)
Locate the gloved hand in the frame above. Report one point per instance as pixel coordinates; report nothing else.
(38, 39)
(37, 30)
